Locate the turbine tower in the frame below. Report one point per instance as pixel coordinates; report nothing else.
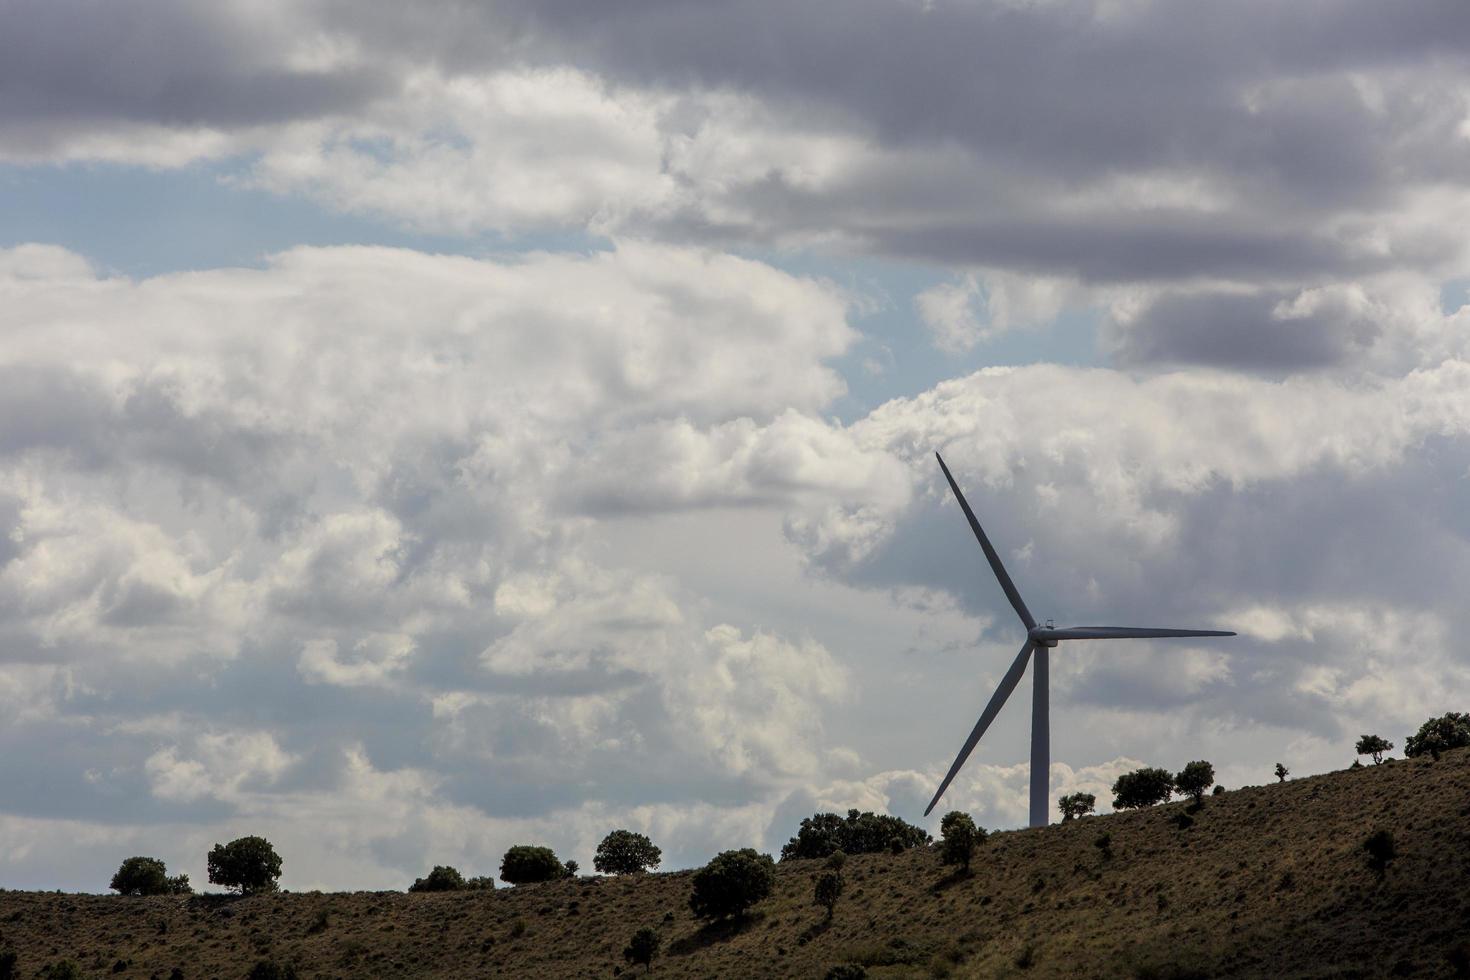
(1039, 641)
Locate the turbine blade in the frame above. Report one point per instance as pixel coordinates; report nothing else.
(990, 555)
(1119, 632)
(1007, 685)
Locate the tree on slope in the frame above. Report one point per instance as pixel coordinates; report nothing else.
(1076, 805)
(1141, 788)
(148, 876)
(526, 864)
(1194, 779)
(1375, 746)
(960, 837)
(623, 852)
(250, 865)
(1448, 731)
(732, 882)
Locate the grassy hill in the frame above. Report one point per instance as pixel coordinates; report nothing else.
(1265, 881)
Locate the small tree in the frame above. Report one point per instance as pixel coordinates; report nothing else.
(960, 838)
(1076, 805)
(1281, 773)
(1381, 849)
(732, 882)
(248, 864)
(571, 869)
(642, 948)
(1141, 788)
(148, 876)
(442, 879)
(526, 864)
(623, 852)
(480, 883)
(828, 890)
(836, 861)
(1448, 731)
(1194, 779)
(1375, 746)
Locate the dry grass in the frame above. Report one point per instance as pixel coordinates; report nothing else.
(1267, 881)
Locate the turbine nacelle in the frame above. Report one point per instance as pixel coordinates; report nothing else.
(1039, 639)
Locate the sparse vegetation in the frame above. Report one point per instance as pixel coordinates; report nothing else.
(624, 852)
(249, 865)
(62, 970)
(1375, 746)
(527, 864)
(1275, 879)
(1448, 731)
(1194, 779)
(1281, 773)
(148, 876)
(270, 970)
(642, 948)
(858, 833)
(1141, 788)
(960, 838)
(1075, 805)
(442, 879)
(731, 883)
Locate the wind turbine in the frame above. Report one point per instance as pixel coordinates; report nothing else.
(1039, 640)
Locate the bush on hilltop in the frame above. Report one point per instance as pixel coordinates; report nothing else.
(858, 833)
(732, 882)
(1142, 787)
(526, 864)
(624, 852)
(249, 865)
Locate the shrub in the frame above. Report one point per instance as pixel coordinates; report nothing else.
(1381, 849)
(442, 879)
(858, 833)
(828, 890)
(249, 865)
(1104, 844)
(847, 971)
(8, 965)
(642, 948)
(62, 970)
(1194, 779)
(1076, 805)
(571, 869)
(1449, 731)
(961, 837)
(147, 876)
(480, 883)
(836, 861)
(1281, 773)
(1141, 788)
(526, 864)
(732, 882)
(1357, 764)
(1373, 745)
(623, 852)
(1218, 790)
(269, 970)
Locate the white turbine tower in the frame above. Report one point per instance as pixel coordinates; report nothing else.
(1039, 640)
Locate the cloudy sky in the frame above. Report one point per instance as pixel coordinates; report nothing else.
(433, 427)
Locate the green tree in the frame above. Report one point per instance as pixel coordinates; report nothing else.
(1375, 746)
(1281, 773)
(624, 852)
(858, 833)
(1076, 805)
(1141, 788)
(248, 864)
(1194, 779)
(960, 838)
(148, 876)
(526, 864)
(1448, 731)
(442, 879)
(828, 890)
(732, 882)
(642, 948)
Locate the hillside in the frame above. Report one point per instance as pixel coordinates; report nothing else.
(1267, 881)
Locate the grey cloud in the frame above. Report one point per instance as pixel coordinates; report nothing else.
(1239, 331)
